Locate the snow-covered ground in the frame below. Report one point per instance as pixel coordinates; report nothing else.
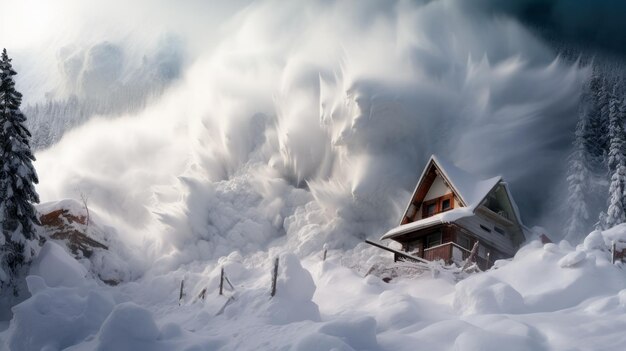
(548, 297)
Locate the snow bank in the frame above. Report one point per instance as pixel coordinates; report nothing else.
(487, 295)
(343, 334)
(55, 318)
(128, 327)
(294, 291)
(547, 297)
(543, 278)
(57, 267)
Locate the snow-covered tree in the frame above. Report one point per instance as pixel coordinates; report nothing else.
(578, 182)
(17, 178)
(595, 100)
(616, 162)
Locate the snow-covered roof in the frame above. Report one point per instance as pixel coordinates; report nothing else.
(440, 218)
(469, 189)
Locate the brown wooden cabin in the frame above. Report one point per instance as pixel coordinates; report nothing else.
(450, 210)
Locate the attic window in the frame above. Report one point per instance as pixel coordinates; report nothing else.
(431, 209)
(445, 205)
(437, 205)
(499, 230)
(485, 228)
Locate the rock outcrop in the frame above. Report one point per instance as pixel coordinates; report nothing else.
(61, 224)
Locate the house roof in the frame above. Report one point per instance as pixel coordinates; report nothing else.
(440, 218)
(470, 190)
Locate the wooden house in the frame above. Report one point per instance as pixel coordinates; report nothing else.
(451, 210)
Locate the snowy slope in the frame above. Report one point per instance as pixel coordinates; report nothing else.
(549, 297)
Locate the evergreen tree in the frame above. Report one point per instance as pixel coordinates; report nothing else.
(17, 178)
(616, 162)
(578, 183)
(596, 129)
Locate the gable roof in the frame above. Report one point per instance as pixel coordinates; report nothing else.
(469, 190)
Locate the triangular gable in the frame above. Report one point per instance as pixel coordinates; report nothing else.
(469, 190)
(505, 201)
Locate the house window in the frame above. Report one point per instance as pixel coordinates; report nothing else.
(485, 228)
(437, 205)
(464, 241)
(445, 205)
(499, 230)
(431, 209)
(433, 240)
(482, 251)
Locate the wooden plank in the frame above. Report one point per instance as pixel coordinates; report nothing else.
(274, 277)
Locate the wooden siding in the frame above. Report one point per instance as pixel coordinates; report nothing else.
(476, 226)
(440, 252)
(413, 243)
(421, 192)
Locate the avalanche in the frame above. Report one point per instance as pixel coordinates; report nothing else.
(277, 129)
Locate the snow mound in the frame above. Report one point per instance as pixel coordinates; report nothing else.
(485, 294)
(481, 340)
(57, 267)
(342, 335)
(572, 259)
(294, 290)
(56, 318)
(544, 278)
(294, 282)
(128, 327)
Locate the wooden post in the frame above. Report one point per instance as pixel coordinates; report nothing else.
(229, 283)
(472, 255)
(274, 277)
(222, 281)
(202, 294)
(613, 249)
(324, 258)
(182, 287)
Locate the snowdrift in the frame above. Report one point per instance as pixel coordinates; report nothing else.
(548, 297)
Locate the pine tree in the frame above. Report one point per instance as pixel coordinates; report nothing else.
(578, 182)
(17, 178)
(597, 125)
(616, 163)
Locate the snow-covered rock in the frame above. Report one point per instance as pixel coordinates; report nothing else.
(81, 233)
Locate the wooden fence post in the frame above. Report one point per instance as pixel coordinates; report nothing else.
(182, 293)
(202, 294)
(222, 281)
(325, 252)
(229, 283)
(274, 277)
(613, 252)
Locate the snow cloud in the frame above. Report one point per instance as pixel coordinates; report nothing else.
(309, 122)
